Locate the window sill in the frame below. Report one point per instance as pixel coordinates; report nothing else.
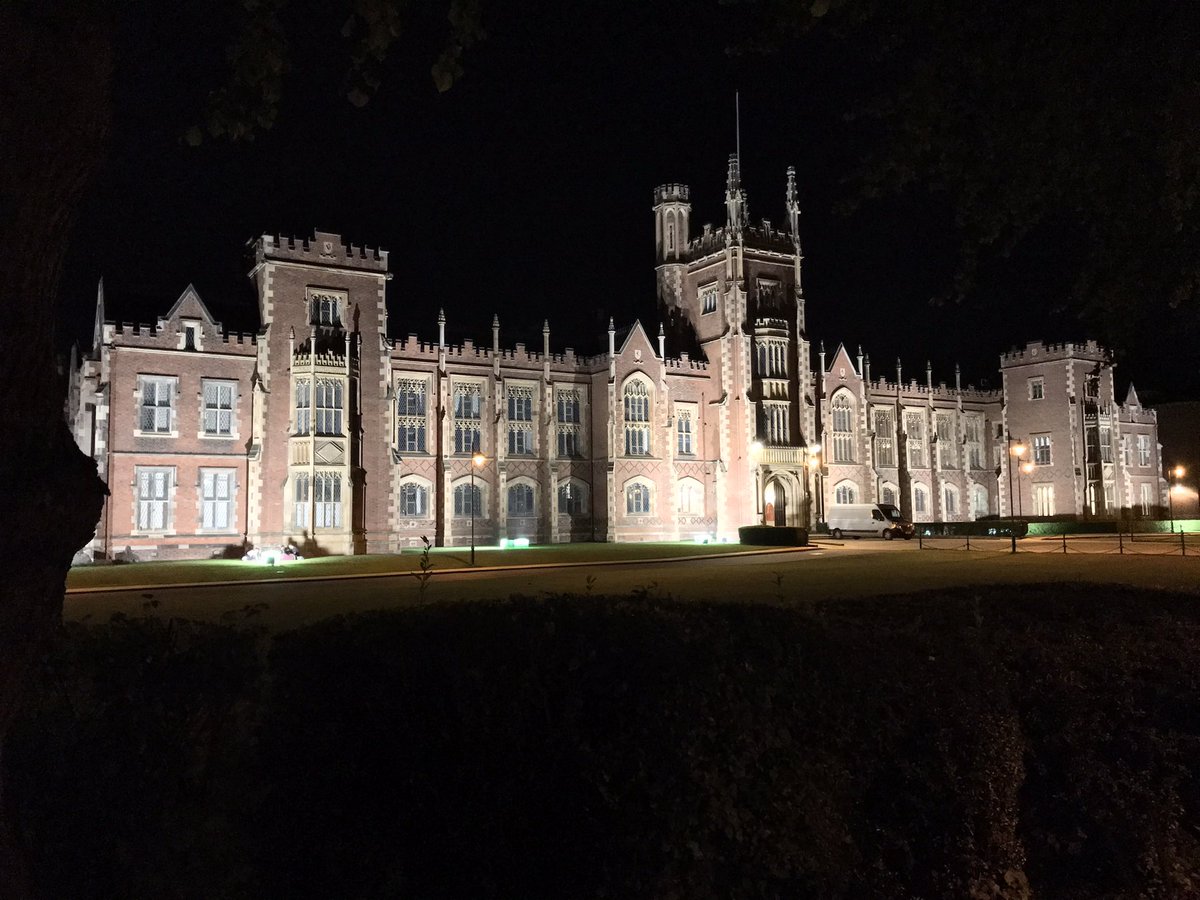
(206, 436)
(156, 434)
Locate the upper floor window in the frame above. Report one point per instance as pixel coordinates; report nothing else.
(303, 406)
(683, 432)
(772, 359)
(708, 299)
(775, 422)
(329, 406)
(567, 403)
(520, 500)
(885, 450)
(468, 405)
(218, 407)
(1106, 453)
(945, 445)
(637, 419)
(157, 403)
(843, 440)
(914, 428)
(1037, 388)
(1041, 449)
(410, 415)
(1143, 449)
(189, 337)
(326, 310)
(520, 404)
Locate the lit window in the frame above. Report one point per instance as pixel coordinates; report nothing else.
(218, 408)
(1143, 449)
(1043, 499)
(708, 300)
(216, 499)
(157, 403)
(1041, 449)
(154, 488)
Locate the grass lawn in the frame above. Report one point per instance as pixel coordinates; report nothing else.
(443, 558)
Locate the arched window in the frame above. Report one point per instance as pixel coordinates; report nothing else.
(691, 497)
(637, 419)
(572, 498)
(414, 499)
(979, 501)
(920, 498)
(637, 500)
(845, 492)
(889, 494)
(843, 439)
(467, 500)
(520, 500)
(327, 497)
(300, 496)
(950, 500)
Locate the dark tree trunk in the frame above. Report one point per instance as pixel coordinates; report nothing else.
(55, 114)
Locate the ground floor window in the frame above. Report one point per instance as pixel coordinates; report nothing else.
(1147, 498)
(637, 500)
(920, 499)
(980, 501)
(520, 500)
(154, 487)
(300, 500)
(467, 500)
(414, 499)
(216, 499)
(327, 498)
(950, 500)
(845, 493)
(1043, 499)
(889, 494)
(570, 499)
(691, 497)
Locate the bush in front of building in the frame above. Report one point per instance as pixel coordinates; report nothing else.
(773, 536)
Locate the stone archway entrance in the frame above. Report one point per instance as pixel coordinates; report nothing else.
(775, 503)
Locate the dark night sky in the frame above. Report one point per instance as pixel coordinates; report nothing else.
(526, 189)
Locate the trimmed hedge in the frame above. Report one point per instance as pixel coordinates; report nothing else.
(773, 535)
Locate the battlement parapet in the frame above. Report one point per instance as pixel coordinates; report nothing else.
(771, 324)
(686, 364)
(1038, 351)
(939, 391)
(671, 193)
(323, 249)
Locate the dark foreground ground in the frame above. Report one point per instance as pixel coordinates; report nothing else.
(1003, 742)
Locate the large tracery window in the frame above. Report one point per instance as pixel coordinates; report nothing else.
(567, 405)
(327, 496)
(843, 439)
(885, 442)
(914, 427)
(468, 500)
(410, 415)
(772, 359)
(520, 501)
(414, 499)
(303, 406)
(329, 406)
(467, 416)
(637, 500)
(520, 421)
(637, 419)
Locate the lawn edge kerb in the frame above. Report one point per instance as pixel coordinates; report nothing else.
(110, 589)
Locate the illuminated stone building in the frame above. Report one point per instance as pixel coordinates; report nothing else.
(328, 429)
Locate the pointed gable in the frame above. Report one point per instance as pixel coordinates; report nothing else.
(638, 341)
(1131, 398)
(842, 361)
(190, 306)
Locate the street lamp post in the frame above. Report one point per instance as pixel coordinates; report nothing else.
(1178, 473)
(476, 461)
(1018, 451)
(1027, 468)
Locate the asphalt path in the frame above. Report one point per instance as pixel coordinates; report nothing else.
(831, 570)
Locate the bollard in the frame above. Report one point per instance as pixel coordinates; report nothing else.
(968, 540)
(1182, 545)
(920, 543)
(1013, 535)
(1121, 543)
(1064, 542)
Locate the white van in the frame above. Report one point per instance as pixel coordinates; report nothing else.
(876, 519)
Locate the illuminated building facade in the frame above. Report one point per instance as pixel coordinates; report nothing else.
(325, 429)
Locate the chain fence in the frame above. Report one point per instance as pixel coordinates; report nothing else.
(1185, 544)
